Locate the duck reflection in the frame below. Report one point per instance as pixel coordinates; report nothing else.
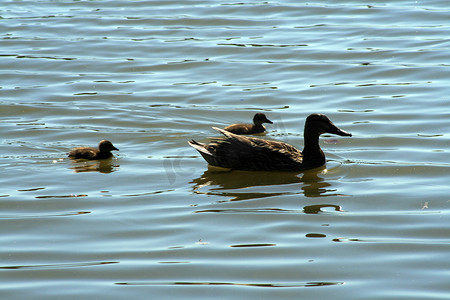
(316, 186)
(315, 209)
(239, 184)
(102, 166)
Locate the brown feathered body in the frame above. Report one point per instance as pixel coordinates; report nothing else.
(251, 154)
(104, 151)
(254, 128)
(254, 154)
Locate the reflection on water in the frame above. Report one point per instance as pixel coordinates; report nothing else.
(243, 179)
(101, 165)
(220, 183)
(315, 209)
(248, 185)
(316, 186)
(309, 209)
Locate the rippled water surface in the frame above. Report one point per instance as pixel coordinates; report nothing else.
(154, 221)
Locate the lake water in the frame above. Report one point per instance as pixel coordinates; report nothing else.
(154, 222)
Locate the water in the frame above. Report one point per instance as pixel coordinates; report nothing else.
(155, 222)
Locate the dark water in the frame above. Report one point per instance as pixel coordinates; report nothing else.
(154, 221)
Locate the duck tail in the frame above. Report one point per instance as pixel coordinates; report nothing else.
(201, 148)
(196, 145)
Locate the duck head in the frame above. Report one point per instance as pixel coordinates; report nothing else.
(106, 146)
(319, 123)
(260, 118)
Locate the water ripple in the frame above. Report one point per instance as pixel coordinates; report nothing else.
(58, 266)
(270, 285)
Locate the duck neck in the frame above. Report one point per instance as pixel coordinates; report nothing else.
(258, 126)
(312, 154)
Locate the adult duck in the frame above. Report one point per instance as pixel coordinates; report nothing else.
(256, 127)
(104, 151)
(254, 154)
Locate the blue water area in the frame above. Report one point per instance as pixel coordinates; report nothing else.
(155, 220)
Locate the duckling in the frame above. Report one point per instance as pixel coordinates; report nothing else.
(254, 128)
(254, 154)
(104, 151)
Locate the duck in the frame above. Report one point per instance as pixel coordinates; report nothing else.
(104, 151)
(254, 128)
(244, 153)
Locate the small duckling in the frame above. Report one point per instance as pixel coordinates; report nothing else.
(254, 128)
(104, 151)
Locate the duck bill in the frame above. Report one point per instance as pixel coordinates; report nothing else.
(338, 131)
(114, 148)
(268, 121)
